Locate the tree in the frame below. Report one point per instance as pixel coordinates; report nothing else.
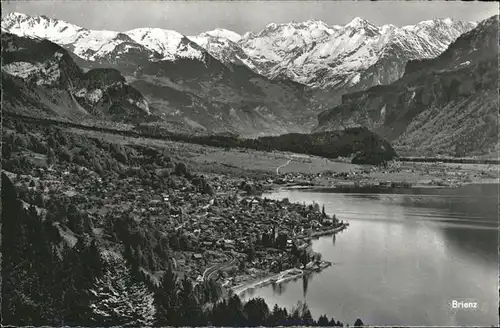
(316, 207)
(75, 219)
(358, 323)
(304, 257)
(276, 317)
(323, 320)
(190, 311)
(333, 323)
(181, 169)
(251, 253)
(166, 299)
(459, 151)
(235, 314)
(256, 311)
(121, 300)
(295, 250)
(6, 150)
(307, 318)
(242, 266)
(295, 316)
(121, 157)
(184, 243)
(281, 241)
(215, 290)
(64, 154)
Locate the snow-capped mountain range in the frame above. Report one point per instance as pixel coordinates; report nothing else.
(93, 45)
(350, 57)
(320, 56)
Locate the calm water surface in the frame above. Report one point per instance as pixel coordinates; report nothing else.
(404, 258)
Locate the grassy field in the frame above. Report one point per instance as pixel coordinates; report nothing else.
(270, 161)
(243, 161)
(237, 158)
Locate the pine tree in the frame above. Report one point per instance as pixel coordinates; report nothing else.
(121, 300)
(51, 156)
(190, 310)
(323, 320)
(166, 299)
(235, 311)
(256, 311)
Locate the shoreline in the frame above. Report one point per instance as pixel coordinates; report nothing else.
(292, 273)
(327, 232)
(376, 185)
(278, 278)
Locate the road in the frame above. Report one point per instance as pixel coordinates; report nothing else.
(211, 271)
(279, 167)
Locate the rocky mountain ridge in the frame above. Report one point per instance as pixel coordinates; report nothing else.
(41, 78)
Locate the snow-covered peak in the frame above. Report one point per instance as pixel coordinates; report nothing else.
(448, 21)
(170, 44)
(359, 22)
(223, 33)
(312, 28)
(271, 26)
(359, 25)
(438, 22)
(55, 30)
(356, 22)
(434, 22)
(247, 35)
(317, 25)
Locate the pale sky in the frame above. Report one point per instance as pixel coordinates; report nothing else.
(194, 17)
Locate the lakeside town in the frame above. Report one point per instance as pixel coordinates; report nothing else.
(216, 225)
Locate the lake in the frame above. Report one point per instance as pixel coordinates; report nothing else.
(404, 258)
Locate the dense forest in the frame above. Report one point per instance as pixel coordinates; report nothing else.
(64, 266)
(363, 145)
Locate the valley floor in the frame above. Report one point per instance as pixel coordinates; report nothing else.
(285, 168)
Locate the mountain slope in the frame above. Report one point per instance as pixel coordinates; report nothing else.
(41, 78)
(224, 98)
(444, 105)
(222, 44)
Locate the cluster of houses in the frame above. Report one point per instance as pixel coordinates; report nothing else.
(220, 223)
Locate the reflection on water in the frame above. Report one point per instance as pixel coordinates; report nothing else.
(305, 283)
(404, 258)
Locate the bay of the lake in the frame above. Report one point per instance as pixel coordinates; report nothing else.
(404, 258)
